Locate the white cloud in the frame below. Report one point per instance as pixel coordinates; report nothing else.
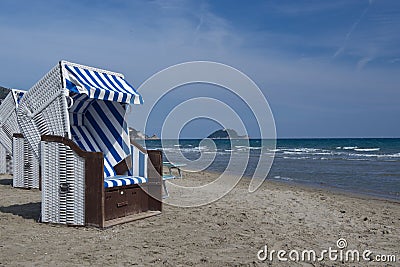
(363, 62)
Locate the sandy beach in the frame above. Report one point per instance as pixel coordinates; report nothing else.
(229, 232)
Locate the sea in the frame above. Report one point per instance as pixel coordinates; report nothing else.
(367, 166)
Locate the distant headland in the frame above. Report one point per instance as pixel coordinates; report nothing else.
(3, 92)
(227, 134)
(135, 134)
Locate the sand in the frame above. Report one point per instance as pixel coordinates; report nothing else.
(228, 232)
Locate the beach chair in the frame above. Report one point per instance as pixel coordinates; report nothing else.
(170, 175)
(3, 152)
(74, 120)
(19, 160)
(3, 160)
(172, 166)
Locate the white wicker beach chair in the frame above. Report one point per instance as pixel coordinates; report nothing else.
(19, 162)
(74, 120)
(3, 160)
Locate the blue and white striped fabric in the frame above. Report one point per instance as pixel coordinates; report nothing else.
(98, 125)
(18, 95)
(139, 162)
(82, 137)
(98, 85)
(121, 180)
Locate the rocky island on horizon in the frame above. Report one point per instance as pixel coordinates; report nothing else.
(227, 134)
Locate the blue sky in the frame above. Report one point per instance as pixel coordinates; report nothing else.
(327, 68)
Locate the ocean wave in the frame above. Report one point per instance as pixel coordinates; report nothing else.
(201, 148)
(350, 147)
(302, 149)
(274, 150)
(292, 153)
(283, 178)
(247, 147)
(367, 149)
(187, 149)
(296, 157)
(397, 155)
(216, 152)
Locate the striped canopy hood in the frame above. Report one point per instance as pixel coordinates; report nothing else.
(86, 104)
(98, 84)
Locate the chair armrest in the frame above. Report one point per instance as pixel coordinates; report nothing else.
(87, 177)
(72, 145)
(155, 179)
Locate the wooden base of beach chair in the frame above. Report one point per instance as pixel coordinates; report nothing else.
(124, 204)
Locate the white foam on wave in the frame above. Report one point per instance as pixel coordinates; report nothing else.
(367, 149)
(283, 178)
(292, 153)
(241, 148)
(397, 155)
(350, 147)
(302, 149)
(274, 150)
(323, 153)
(296, 157)
(215, 152)
(201, 148)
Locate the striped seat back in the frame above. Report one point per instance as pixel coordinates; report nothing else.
(82, 137)
(139, 162)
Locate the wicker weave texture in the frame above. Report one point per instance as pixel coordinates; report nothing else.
(32, 172)
(9, 164)
(8, 122)
(26, 165)
(3, 160)
(18, 151)
(43, 110)
(63, 185)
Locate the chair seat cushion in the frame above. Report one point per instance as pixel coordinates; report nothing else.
(121, 180)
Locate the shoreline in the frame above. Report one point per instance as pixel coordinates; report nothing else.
(322, 188)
